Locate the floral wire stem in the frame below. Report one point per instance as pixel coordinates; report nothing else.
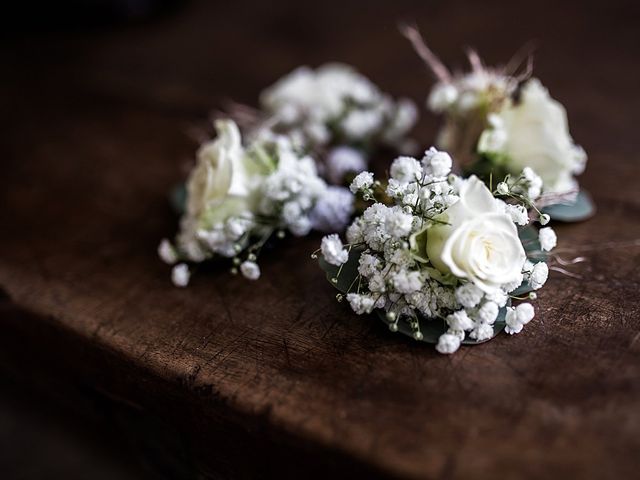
(415, 326)
(353, 282)
(525, 200)
(335, 279)
(257, 247)
(529, 296)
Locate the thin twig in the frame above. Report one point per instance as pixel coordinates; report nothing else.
(438, 68)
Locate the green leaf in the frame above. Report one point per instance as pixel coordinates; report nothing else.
(431, 328)
(531, 243)
(348, 274)
(178, 198)
(529, 238)
(581, 209)
(523, 289)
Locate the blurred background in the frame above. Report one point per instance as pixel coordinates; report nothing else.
(114, 73)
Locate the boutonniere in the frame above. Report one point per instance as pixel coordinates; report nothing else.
(240, 196)
(339, 115)
(439, 257)
(314, 130)
(499, 121)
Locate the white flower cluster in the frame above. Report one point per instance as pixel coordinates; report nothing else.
(445, 250)
(334, 107)
(470, 92)
(512, 122)
(533, 130)
(238, 197)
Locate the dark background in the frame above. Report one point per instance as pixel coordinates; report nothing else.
(109, 372)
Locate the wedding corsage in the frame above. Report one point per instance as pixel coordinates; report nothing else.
(339, 115)
(238, 197)
(439, 257)
(500, 121)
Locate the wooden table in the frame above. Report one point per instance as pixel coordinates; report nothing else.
(233, 378)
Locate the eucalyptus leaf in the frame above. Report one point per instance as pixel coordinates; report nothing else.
(531, 243)
(432, 328)
(522, 290)
(581, 209)
(348, 274)
(178, 198)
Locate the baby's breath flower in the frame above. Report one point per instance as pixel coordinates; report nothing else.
(481, 332)
(488, 312)
(492, 140)
(333, 251)
(469, 295)
(360, 303)
(333, 210)
(533, 181)
(437, 163)
(354, 232)
(518, 214)
(407, 281)
(459, 320)
(548, 238)
(448, 343)
(180, 275)
(518, 317)
(544, 219)
(397, 223)
(539, 275)
(442, 96)
(167, 252)
(343, 160)
(368, 265)
(250, 270)
(362, 181)
(300, 226)
(405, 169)
(499, 297)
(361, 123)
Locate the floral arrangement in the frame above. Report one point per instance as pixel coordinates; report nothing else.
(239, 196)
(314, 127)
(339, 115)
(445, 259)
(440, 257)
(499, 121)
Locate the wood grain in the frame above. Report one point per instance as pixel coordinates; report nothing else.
(276, 377)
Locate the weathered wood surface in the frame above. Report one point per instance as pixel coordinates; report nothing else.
(267, 377)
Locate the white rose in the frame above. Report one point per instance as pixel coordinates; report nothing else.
(222, 183)
(479, 242)
(534, 132)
